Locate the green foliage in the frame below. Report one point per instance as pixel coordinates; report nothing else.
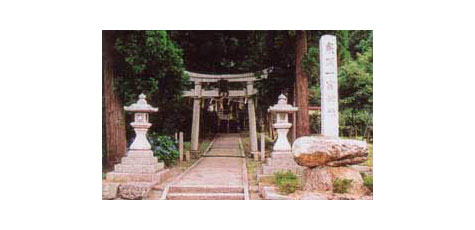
(203, 146)
(361, 41)
(369, 162)
(186, 146)
(251, 166)
(103, 176)
(368, 181)
(343, 41)
(153, 62)
(354, 122)
(341, 185)
(355, 80)
(287, 182)
(351, 124)
(150, 62)
(355, 87)
(232, 51)
(164, 148)
(267, 142)
(314, 94)
(315, 122)
(310, 63)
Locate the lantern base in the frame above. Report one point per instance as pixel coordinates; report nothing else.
(138, 166)
(281, 161)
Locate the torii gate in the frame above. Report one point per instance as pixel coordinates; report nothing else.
(197, 94)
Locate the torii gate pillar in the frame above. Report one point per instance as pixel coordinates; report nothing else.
(195, 128)
(252, 122)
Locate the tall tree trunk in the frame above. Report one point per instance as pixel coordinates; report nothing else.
(116, 142)
(301, 83)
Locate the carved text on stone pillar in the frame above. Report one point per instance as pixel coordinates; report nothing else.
(329, 85)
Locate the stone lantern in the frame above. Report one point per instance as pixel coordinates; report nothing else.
(140, 124)
(139, 170)
(281, 156)
(282, 125)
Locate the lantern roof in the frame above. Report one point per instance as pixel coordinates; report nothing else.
(282, 106)
(141, 106)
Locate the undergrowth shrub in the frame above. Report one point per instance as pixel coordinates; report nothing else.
(164, 148)
(287, 182)
(368, 182)
(341, 185)
(269, 143)
(354, 123)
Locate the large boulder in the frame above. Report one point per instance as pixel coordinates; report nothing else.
(321, 179)
(321, 151)
(109, 190)
(135, 190)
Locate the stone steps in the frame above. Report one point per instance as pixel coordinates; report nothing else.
(140, 169)
(219, 175)
(205, 189)
(205, 192)
(270, 170)
(136, 177)
(140, 161)
(139, 153)
(284, 164)
(205, 196)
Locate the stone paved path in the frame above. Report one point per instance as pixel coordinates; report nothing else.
(226, 145)
(220, 174)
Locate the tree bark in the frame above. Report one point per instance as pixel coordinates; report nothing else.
(116, 142)
(301, 83)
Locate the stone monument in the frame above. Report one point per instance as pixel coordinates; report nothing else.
(281, 156)
(329, 85)
(326, 157)
(139, 170)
